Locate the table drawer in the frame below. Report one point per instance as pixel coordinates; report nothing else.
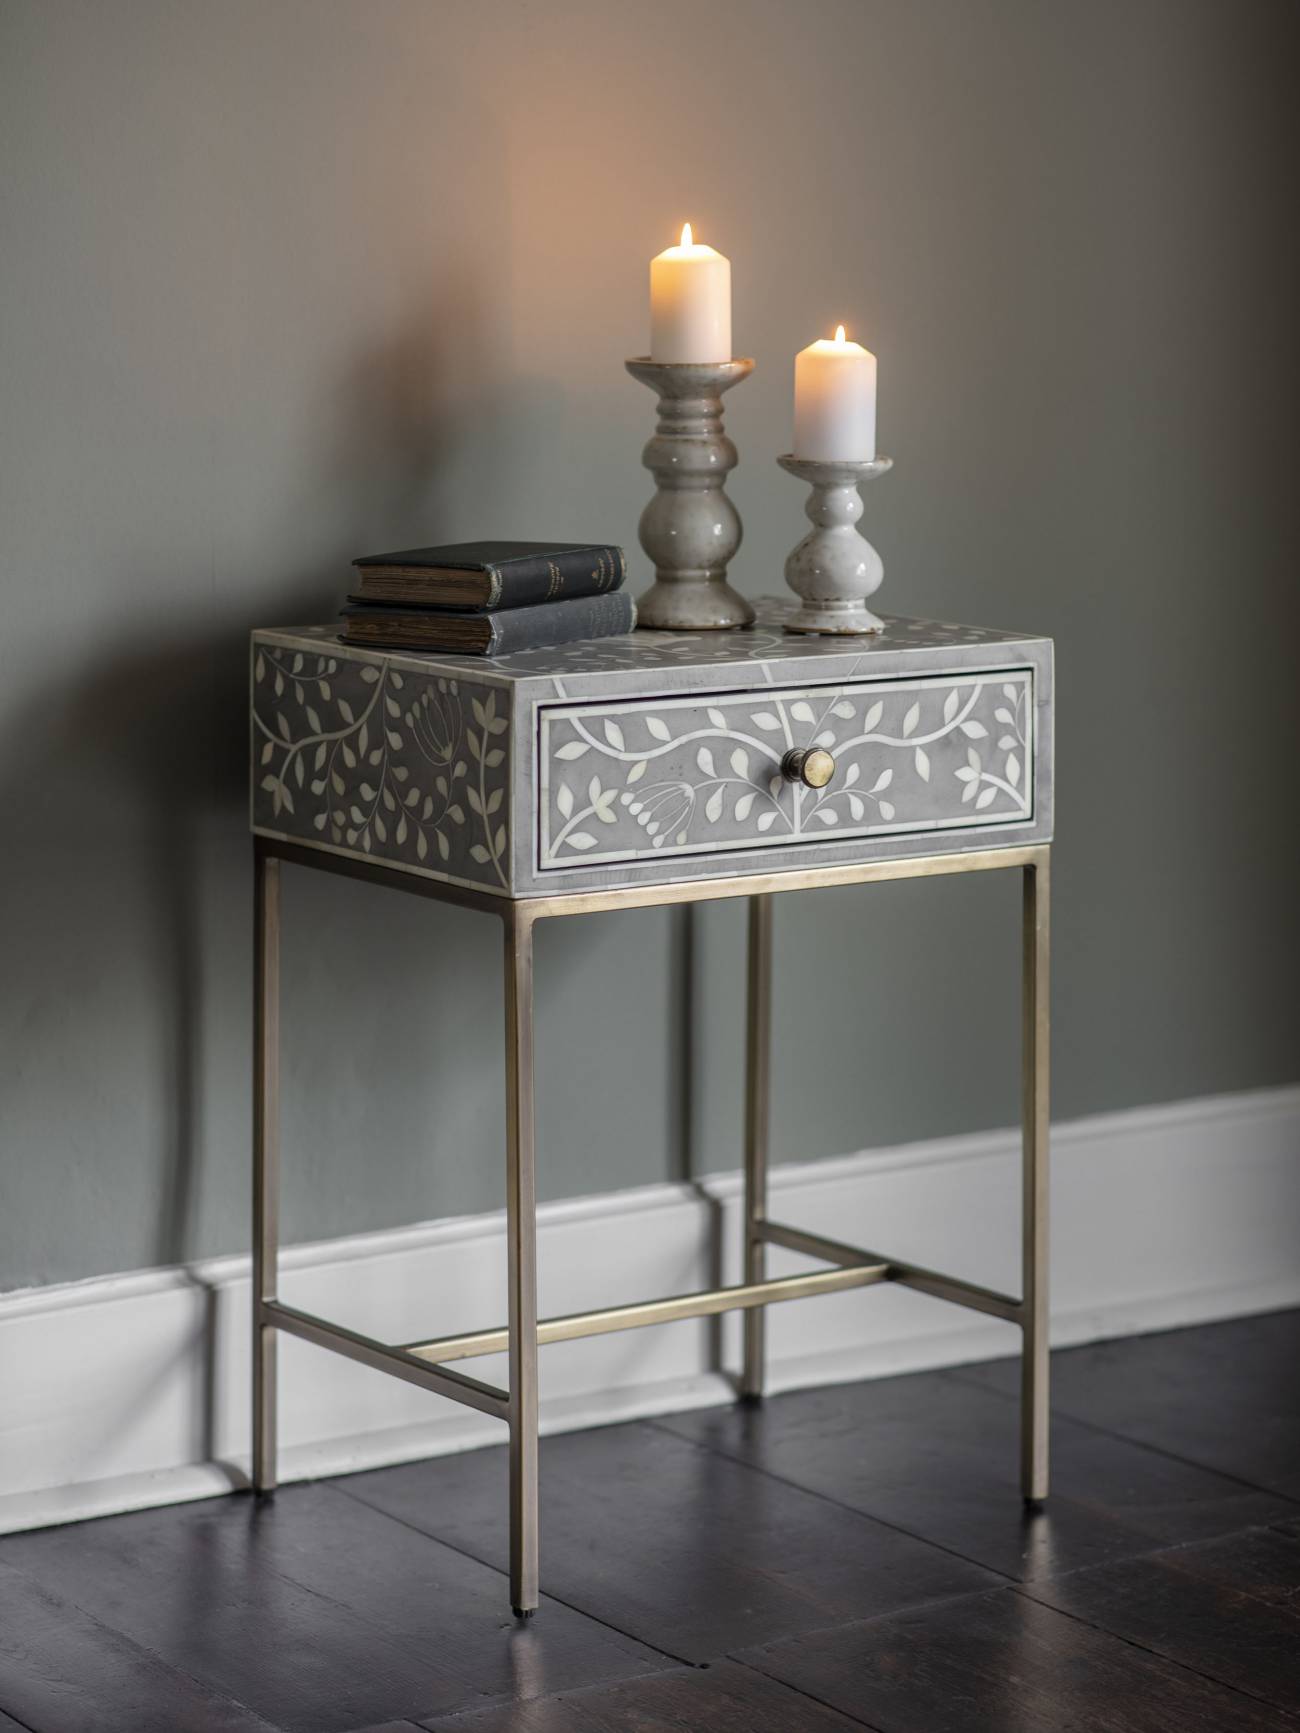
(678, 775)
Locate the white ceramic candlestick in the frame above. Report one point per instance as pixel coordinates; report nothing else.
(834, 568)
(690, 529)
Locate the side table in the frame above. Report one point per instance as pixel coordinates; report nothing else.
(655, 769)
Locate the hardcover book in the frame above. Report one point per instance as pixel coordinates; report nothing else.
(490, 574)
(477, 633)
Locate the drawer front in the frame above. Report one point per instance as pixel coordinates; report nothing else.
(656, 779)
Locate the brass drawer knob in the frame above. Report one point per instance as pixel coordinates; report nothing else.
(811, 765)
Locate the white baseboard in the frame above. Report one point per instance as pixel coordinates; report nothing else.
(132, 1390)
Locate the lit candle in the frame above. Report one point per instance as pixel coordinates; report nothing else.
(835, 401)
(690, 303)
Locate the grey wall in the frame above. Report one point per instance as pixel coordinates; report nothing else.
(283, 281)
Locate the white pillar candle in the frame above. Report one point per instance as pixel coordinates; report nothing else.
(835, 401)
(690, 303)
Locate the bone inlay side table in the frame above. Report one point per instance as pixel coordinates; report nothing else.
(653, 769)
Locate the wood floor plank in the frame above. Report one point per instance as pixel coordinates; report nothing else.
(1225, 1395)
(317, 1611)
(1228, 1608)
(1158, 1594)
(990, 1663)
(673, 1544)
(438, 1603)
(940, 1457)
(724, 1698)
(391, 1727)
(62, 1671)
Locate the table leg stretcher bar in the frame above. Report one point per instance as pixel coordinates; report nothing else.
(931, 1282)
(383, 1358)
(416, 1361)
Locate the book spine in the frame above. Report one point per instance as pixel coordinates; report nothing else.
(577, 572)
(583, 617)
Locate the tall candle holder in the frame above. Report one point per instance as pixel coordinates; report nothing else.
(690, 529)
(834, 568)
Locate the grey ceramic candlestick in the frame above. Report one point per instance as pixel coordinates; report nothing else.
(690, 529)
(834, 568)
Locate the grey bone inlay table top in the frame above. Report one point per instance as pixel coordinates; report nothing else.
(653, 757)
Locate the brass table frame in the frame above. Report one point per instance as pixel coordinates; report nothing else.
(426, 1362)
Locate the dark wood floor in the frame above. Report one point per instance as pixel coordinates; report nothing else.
(843, 1558)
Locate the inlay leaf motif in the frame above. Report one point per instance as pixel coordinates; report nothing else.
(375, 756)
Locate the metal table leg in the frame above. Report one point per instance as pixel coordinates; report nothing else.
(758, 1049)
(1035, 1126)
(521, 1234)
(266, 1159)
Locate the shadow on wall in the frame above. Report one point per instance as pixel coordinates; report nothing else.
(129, 771)
(149, 736)
(135, 756)
(399, 412)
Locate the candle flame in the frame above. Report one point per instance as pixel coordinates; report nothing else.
(839, 335)
(686, 235)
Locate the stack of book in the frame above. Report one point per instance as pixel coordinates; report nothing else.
(488, 598)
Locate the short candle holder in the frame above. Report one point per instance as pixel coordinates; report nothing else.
(834, 568)
(690, 529)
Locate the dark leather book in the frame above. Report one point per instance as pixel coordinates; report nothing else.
(379, 627)
(490, 574)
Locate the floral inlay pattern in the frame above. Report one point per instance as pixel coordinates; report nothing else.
(686, 775)
(367, 757)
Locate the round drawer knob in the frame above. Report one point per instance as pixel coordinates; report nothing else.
(810, 765)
